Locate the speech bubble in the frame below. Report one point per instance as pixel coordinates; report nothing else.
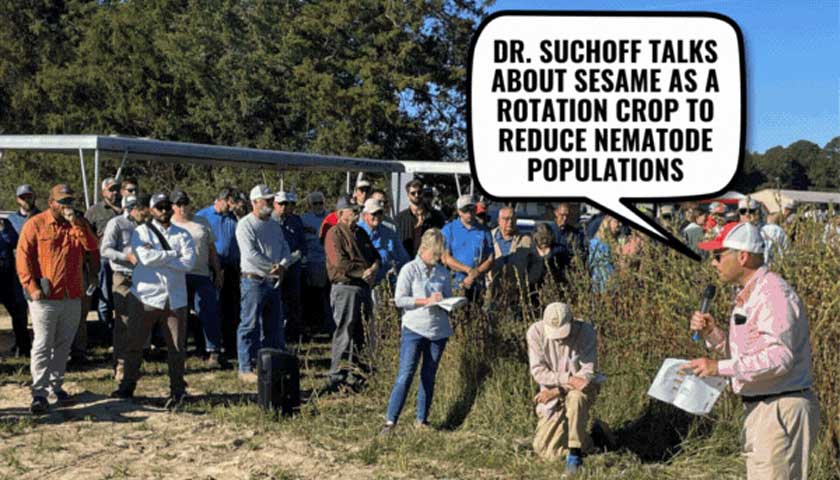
(612, 108)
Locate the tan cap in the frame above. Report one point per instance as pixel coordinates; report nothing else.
(372, 205)
(61, 192)
(557, 320)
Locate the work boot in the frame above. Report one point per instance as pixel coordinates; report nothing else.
(39, 405)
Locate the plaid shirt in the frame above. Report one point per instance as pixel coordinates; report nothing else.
(54, 249)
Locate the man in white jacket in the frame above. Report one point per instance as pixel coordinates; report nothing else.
(165, 253)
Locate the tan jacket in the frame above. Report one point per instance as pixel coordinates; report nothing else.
(552, 362)
(522, 264)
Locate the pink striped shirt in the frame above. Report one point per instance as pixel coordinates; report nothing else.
(769, 352)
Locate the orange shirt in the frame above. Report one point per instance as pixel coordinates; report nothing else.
(54, 249)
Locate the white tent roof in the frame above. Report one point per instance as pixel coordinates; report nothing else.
(774, 199)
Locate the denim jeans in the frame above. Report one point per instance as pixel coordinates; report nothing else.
(103, 297)
(412, 347)
(204, 299)
(292, 301)
(261, 322)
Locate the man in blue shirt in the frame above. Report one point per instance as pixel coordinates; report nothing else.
(12, 298)
(223, 224)
(385, 240)
(469, 249)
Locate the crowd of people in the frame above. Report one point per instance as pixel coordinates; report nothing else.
(248, 272)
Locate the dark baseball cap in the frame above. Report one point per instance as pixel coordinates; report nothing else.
(158, 199)
(179, 197)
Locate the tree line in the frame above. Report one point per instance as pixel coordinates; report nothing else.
(364, 78)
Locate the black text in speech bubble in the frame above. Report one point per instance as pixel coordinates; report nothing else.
(612, 107)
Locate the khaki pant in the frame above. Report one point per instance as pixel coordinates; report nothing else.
(566, 427)
(142, 320)
(778, 436)
(121, 291)
(54, 323)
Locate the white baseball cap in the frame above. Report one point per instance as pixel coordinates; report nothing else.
(748, 203)
(744, 237)
(464, 201)
(557, 321)
(282, 197)
(372, 205)
(261, 192)
(362, 183)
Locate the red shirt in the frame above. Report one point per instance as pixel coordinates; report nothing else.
(54, 249)
(329, 221)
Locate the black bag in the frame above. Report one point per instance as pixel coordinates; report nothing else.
(278, 381)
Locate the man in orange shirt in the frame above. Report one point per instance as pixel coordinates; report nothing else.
(49, 261)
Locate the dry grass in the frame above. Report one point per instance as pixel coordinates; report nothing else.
(482, 415)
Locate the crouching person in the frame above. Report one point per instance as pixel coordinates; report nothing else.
(425, 329)
(563, 359)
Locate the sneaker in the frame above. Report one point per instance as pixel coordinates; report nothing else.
(573, 464)
(62, 397)
(387, 429)
(123, 392)
(175, 400)
(248, 377)
(39, 405)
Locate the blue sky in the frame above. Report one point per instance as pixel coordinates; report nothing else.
(793, 60)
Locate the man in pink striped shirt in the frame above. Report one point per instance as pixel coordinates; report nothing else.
(769, 362)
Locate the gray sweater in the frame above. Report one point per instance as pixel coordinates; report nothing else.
(262, 244)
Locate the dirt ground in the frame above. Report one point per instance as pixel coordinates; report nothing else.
(99, 437)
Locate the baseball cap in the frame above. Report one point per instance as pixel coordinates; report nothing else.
(748, 203)
(557, 321)
(464, 201)
(789, 204)
(669, 209)
(129, 202)
(373, 205)
(745, 237)
(109, 182)
(282, 197)
(260, 192)
(179, 196)
(717, 207)
(24, 189)
(480, 207)
(158, 199)
(61, 192)
(344, 202)
(362, 183)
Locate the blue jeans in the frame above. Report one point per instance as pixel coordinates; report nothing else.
(412, 346)
(261, 323)
(104, 297)
(204, 299)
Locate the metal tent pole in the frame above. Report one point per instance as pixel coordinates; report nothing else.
(95, 175)
(84, 178)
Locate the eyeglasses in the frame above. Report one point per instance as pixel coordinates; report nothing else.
(718, 255)
(751, 211)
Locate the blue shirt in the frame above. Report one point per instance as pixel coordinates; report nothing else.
(18, 220)
(417, 281)
(504, 245)
(8, 242)
(470, 246)
(390, 248)
(224, 229)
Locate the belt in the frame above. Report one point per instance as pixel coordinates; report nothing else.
(253, 276)
(771, 396)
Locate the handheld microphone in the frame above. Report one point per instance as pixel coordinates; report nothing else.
(705, 305)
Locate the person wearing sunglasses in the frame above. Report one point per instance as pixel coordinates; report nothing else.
(362, 192)
(469, 249)
(766, 355)
(165, 253)
(50, 253)
(749, 211)
(413, 222)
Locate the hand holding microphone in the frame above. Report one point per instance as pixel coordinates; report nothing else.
(701, 321)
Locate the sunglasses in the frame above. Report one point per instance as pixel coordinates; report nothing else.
(469, 209)
(131, 190)
(114, 189)
(718, 255)
(163, 207)
(364, 189)
(317, 203)
(751, 211)
(414, 193)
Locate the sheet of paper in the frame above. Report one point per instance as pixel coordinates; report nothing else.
(450, 303)
(685, 390)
